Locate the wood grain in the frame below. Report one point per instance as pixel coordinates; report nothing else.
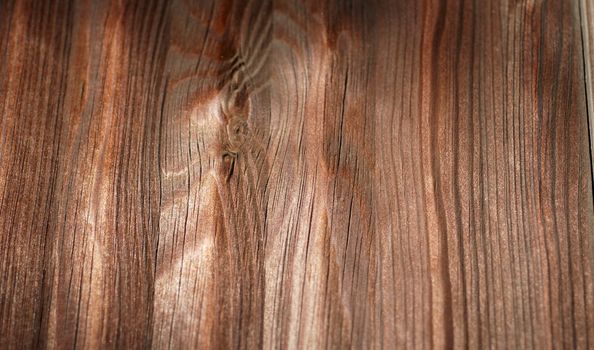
(296, 174)
(587, 22)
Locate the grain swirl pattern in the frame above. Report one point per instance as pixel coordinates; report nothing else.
(296, 174)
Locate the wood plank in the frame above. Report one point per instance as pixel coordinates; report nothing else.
(79, 201)
(295, 174)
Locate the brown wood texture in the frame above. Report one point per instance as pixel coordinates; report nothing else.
(298, 174)
(587, 21)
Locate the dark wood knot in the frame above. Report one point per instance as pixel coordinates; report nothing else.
(237, 133)
(229, 159)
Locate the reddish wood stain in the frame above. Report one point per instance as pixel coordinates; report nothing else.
(296, 174)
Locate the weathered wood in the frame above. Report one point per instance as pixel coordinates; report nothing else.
(295, 174)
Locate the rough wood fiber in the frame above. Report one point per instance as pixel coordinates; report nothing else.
(295, 174)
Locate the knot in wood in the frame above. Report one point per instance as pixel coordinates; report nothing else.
(228, 164)
(237, 131)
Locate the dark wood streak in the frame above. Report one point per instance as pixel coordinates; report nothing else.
(587, 26)
(296, 174)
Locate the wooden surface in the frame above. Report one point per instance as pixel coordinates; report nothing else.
(295, 174)
(587, 21)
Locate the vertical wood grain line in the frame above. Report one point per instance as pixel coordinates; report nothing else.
(587, 30)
